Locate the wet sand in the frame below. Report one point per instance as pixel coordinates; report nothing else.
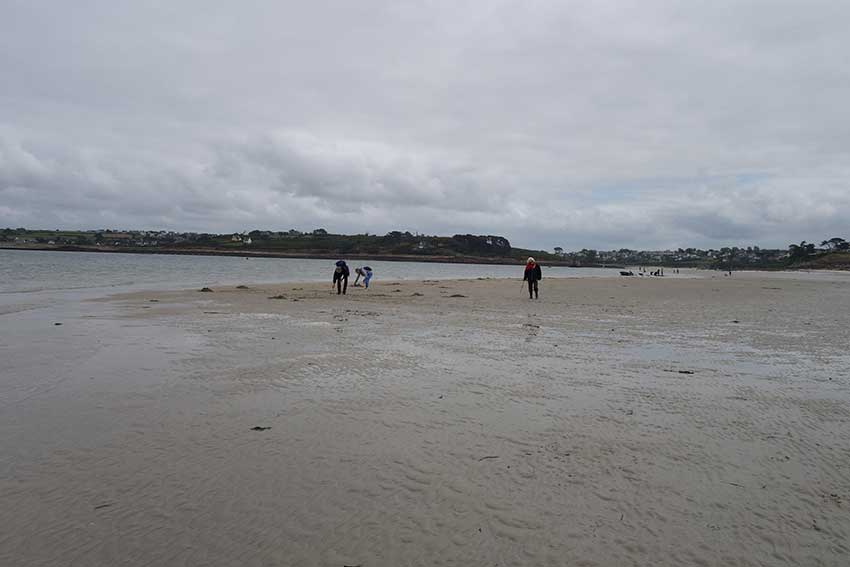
(628, 421)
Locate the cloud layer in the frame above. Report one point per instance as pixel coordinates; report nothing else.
(580, 124)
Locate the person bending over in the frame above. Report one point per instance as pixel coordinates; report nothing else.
(341, 273)
(366, 273)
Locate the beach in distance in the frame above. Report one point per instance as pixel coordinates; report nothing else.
(699, 420)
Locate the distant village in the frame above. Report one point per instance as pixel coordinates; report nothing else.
(137, 238)
(752, 255)
(406, 243)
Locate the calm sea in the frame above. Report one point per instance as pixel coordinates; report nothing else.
(41, 271)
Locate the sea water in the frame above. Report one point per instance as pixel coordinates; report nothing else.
(36, 271)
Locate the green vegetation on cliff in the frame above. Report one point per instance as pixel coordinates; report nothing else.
(460, 247)
(831, 254)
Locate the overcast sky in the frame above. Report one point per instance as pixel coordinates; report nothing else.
(603, 124)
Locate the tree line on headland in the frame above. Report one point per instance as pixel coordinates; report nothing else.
(317, 243)
(833, 253)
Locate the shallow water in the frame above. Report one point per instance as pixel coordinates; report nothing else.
(33, 271)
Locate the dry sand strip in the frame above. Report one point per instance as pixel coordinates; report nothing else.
(628, 421)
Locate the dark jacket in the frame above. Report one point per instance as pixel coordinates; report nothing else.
(532, 273)
(341, 274)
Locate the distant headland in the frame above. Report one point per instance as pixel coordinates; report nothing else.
(832, 254)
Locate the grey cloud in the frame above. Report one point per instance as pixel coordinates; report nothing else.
(581, 124)
(345, 173)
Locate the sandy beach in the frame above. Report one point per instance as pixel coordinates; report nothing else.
(615, 421)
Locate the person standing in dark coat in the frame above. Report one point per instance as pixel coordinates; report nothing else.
(532, 276)
(341, 273)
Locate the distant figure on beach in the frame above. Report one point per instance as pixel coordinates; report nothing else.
(366, 273)
(341, 273)
(532, 276)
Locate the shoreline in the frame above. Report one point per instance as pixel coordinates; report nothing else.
(481, 260)
(319, 288)
(304, 256)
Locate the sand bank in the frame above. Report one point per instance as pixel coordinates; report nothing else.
(626, 421)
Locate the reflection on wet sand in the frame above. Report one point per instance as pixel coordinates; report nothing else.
(615, 421)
